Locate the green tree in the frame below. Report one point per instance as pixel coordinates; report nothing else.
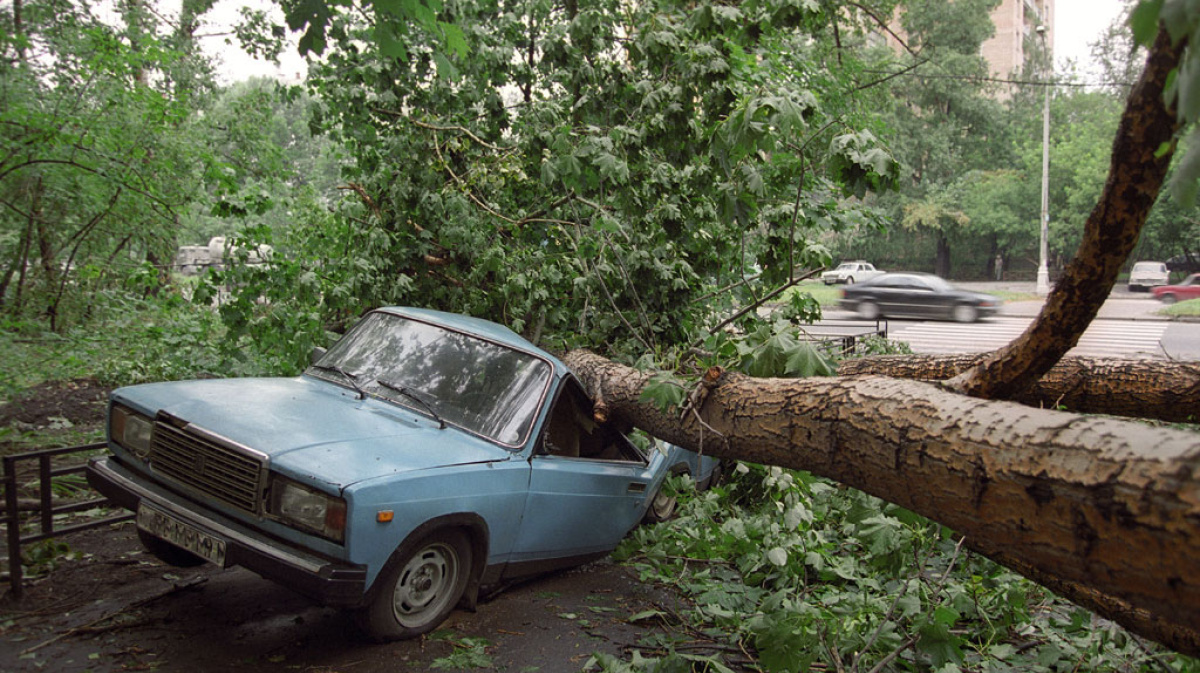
(944, 120)
(591, 169)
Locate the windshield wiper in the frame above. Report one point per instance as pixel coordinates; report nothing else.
(415, 397)
(352, 378)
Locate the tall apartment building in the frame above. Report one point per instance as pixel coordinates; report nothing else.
(1016, 23)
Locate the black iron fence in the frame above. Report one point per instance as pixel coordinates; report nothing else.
(39, 515)
(843, 338)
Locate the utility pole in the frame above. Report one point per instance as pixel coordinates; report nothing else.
(1043, 272)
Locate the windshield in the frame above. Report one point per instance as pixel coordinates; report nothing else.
(482, 387)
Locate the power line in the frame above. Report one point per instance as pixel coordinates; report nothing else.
(1000, 80)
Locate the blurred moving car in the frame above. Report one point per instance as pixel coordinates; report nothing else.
(849, 273)
(424, 456)
(1147, 275)
(917, 295)
(1188, 289)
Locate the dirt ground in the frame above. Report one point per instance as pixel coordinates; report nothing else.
(113, 607)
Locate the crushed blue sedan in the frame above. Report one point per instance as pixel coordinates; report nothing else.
(423, 459)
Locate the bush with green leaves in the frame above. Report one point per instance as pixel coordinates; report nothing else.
(800, 571)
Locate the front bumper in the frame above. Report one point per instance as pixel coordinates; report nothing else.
(327, 581)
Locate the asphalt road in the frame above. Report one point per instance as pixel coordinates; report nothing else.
(1128, 325)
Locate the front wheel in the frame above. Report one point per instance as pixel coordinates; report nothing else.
(850, 280)
(965, 313)
(1168, 298)
(420, 587)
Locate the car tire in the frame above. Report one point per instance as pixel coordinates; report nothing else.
(1168, 298)
(965, 313)
(850, 280)
(868, 310)
(168, 553)
(662, 508)
(420, 586)
(662, 505)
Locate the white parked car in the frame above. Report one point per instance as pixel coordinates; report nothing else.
(849, 273)
(1147, 275)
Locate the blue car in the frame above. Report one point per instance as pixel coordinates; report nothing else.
(424, 457)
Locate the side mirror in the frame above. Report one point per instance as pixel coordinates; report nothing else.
(316, 354)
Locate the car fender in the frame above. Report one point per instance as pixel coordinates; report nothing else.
(477, 532)
(386, 512)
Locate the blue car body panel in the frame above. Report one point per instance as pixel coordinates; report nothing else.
(398, 469)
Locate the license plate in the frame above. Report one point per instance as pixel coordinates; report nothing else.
(181, 534)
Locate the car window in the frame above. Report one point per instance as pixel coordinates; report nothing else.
(480, 386)
(572, 431)
(937, 284)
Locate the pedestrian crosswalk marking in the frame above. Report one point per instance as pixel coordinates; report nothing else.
(1102, 338)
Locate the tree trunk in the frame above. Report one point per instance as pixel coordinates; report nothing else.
(1111, 508)
(1150, 389)
(1136, 174)
(942, 264)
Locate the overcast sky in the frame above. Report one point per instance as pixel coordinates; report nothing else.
(1076, 23)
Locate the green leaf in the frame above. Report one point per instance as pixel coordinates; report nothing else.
(456, 41)
(1144, 21)
(664, 391)
(939, 644)
(445, 68)
(806, 360)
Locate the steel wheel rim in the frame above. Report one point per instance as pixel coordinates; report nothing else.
(663, 505)
(426, 585)
(964, 313)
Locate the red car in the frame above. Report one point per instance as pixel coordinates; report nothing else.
(1188, 289)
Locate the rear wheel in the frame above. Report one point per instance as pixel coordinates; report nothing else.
(662, 507)
(868, 310)
(168, 553)
(420, 587)
(965, 313)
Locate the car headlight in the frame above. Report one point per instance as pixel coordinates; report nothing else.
(308, 509)
(130, 430)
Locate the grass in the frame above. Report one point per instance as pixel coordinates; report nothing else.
(1189, 308)
(1008, 295)
(826, 295)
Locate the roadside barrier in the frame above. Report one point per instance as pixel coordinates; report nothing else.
(44, 509)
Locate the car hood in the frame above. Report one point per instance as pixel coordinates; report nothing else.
(311, 430)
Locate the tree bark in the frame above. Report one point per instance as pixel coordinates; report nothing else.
(1136, 175)
(1109, 507)
(1148, 389)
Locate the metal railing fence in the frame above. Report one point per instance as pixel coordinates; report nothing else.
(42, 518)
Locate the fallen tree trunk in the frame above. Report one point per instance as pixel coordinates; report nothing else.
(1111, 508)
(1154, 389)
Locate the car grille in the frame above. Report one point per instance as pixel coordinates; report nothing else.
(203, 464)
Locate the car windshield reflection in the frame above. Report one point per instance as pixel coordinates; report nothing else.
(480, 386)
